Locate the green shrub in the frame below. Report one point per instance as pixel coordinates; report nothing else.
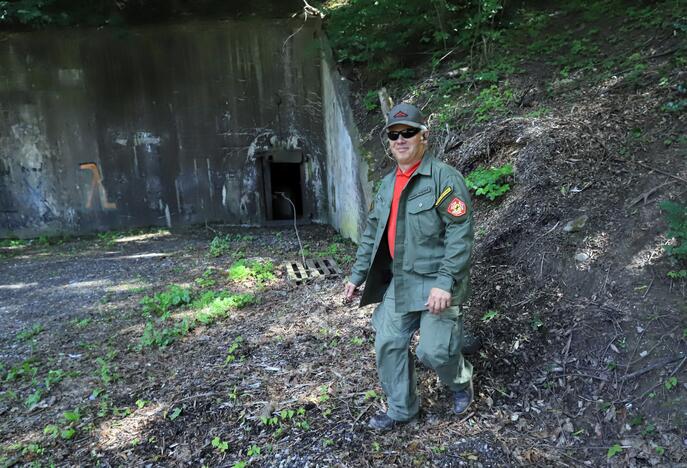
(676, 216)
(490, 182)
(383, 33)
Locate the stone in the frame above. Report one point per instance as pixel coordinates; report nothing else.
(576, 224)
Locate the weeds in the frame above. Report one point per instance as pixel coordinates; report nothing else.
(29, 333)
(219, 246)
(260, 271)
(491, 102)
(161, 303)
(490, 182)
(676, 217)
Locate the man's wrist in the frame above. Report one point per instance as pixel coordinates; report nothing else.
(444, 282)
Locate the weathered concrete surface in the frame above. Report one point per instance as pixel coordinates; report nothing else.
(348, 187)
(161, 125)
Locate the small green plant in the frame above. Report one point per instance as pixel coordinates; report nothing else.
(29, 333)
(323, 394)
(105, 371)
(161, 303)
(239, 464)
(140, 403)
(235, 345)
(26, 370)
(491, 102)
(220, 445)
(220, 245)
(260, 271)
(175, 413)
(206, 280)
(327, 442)
(253, 451)
(371, 100)
(537, 323)
(676, 217)
(82, 323)
(614, 450)
(371, 395)
(357, 341)
(660, 451)
(670, 383)
(490, 182)
(490, 315)
(375, 446)
(33, 399)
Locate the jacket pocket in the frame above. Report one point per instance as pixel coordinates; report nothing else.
(424, 221)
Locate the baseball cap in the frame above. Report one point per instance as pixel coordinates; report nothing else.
(407, 114)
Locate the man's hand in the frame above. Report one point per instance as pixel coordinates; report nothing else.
(349, 290)
(438, 300)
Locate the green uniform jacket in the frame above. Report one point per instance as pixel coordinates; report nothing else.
(434, 238)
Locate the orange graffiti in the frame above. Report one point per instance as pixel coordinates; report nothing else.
(97, 184)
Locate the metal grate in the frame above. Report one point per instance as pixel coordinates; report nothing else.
(318, 268)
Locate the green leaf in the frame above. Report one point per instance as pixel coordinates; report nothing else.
(175, 414)
(490, 315)
(614, 450)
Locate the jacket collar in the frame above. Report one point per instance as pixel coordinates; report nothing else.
(426, 165)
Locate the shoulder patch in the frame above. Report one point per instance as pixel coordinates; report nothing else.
(444, 193)
(457, 207)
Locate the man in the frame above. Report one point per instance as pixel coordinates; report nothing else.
(415, 258)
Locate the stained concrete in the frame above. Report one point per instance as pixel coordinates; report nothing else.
(163, 125)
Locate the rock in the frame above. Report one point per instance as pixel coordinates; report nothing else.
(581, 257)
(576, 224)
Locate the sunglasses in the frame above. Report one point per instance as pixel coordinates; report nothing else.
(406, 134)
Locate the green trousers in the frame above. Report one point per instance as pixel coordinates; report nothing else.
(439, 349)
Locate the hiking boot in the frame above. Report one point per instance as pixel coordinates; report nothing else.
(382, 422)
(462, 399)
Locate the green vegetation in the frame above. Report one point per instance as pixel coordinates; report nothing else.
(205, 309)
(260, 271)
(614, 450)
(220, 445)
(491, 102)
(365, 32)
(490, 315)
(490, 182)
(676, 217)
(219, 246)
(29, 333)
(161, 303)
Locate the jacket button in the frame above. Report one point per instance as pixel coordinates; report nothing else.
(419, 205)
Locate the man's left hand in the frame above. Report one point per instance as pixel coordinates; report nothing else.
(438, 300)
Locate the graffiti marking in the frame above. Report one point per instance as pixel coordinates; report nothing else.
(97, 185)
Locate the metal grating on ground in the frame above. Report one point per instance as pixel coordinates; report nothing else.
(317, 268)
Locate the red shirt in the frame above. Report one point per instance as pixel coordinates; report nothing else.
(402, 179)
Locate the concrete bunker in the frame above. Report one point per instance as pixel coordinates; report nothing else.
(102, 130)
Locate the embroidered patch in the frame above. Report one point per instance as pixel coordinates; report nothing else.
(445, 193)
(457, 207)
(400, 114)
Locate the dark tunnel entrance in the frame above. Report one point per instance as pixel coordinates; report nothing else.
(283, 177)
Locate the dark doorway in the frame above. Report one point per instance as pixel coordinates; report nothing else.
(282, 173)
(286, 183)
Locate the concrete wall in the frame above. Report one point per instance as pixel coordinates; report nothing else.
(161, 125)
(348, 187)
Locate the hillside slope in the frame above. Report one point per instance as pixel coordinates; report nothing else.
(588, 106)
